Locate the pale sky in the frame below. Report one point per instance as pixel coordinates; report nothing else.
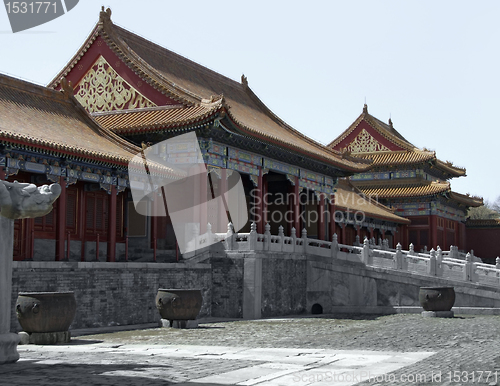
(430, 65)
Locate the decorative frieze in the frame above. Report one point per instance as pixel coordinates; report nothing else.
(281, 167)
(103, 89)
(242, 156)
(243, 167)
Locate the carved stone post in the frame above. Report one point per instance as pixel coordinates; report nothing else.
(17, 200)
(431, 268)
(252, 237)
(267, 237)
(335, 246)
(366, 253)
(281, 235)
(304, 240)
(8, 341)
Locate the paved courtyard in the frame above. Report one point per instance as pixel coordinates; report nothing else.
(399, 349)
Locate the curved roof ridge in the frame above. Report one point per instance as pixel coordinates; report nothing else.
(76, 57)
(281, 122)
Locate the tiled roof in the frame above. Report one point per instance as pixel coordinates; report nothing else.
(349, 197)
(150, 119)
(467, 199)
(190, 83)
(483, 223)
(410, 155)
(385, 130)
(397, 158)
(397, 190)
(53, 121)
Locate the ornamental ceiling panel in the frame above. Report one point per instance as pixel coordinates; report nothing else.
(103, 89)
(365, 143)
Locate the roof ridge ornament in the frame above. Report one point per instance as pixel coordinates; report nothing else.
(67, 88)
(365, 109)
(244, 80)
(105, 15)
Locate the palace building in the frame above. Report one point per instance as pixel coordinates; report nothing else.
(411, 181)
(121, 93)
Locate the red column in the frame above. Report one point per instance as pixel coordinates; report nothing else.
(61, 221)
(333, 224)
(462, 240)
(260, 205)
(82, 217)
(433, 232)
(154, 218)
(296, 207)
(112, 225)
(223, 217)
(203, 201)
(344, 234)
(2, 173)
(444, 247)
(321, 217)
(30, 241)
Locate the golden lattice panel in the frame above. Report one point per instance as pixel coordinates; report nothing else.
(103, 89)
(365, 143)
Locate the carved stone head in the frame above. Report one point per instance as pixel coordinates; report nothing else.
(23, 200)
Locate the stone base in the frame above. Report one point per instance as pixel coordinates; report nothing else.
(43, 338)
(8, 348)
(438, 314)
(179, 323)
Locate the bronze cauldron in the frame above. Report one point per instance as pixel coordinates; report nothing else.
(45, 311)
(436, 298)
(179, 304)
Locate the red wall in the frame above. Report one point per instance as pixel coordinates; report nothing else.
(484, 242)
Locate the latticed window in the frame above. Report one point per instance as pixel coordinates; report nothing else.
(96, 208)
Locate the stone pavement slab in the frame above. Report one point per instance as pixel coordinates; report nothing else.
(102, 363)
(305, 350)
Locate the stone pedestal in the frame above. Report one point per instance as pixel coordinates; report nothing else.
(45, 338)
(8, 341)
(438, 314)
(180, 323)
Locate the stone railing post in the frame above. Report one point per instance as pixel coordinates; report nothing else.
(379, 242)
(281, 235)
(497, 266)
(411, 250)
(357, 241)
(399, 259)
(252, 237)
(366, 253)
(267, 237)
(334, 248)
(210, 235)
(304, 240)
(468, 268)
(230, 239)
(293, 235)
(431, 268)
(396, 262)
(439, 262)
